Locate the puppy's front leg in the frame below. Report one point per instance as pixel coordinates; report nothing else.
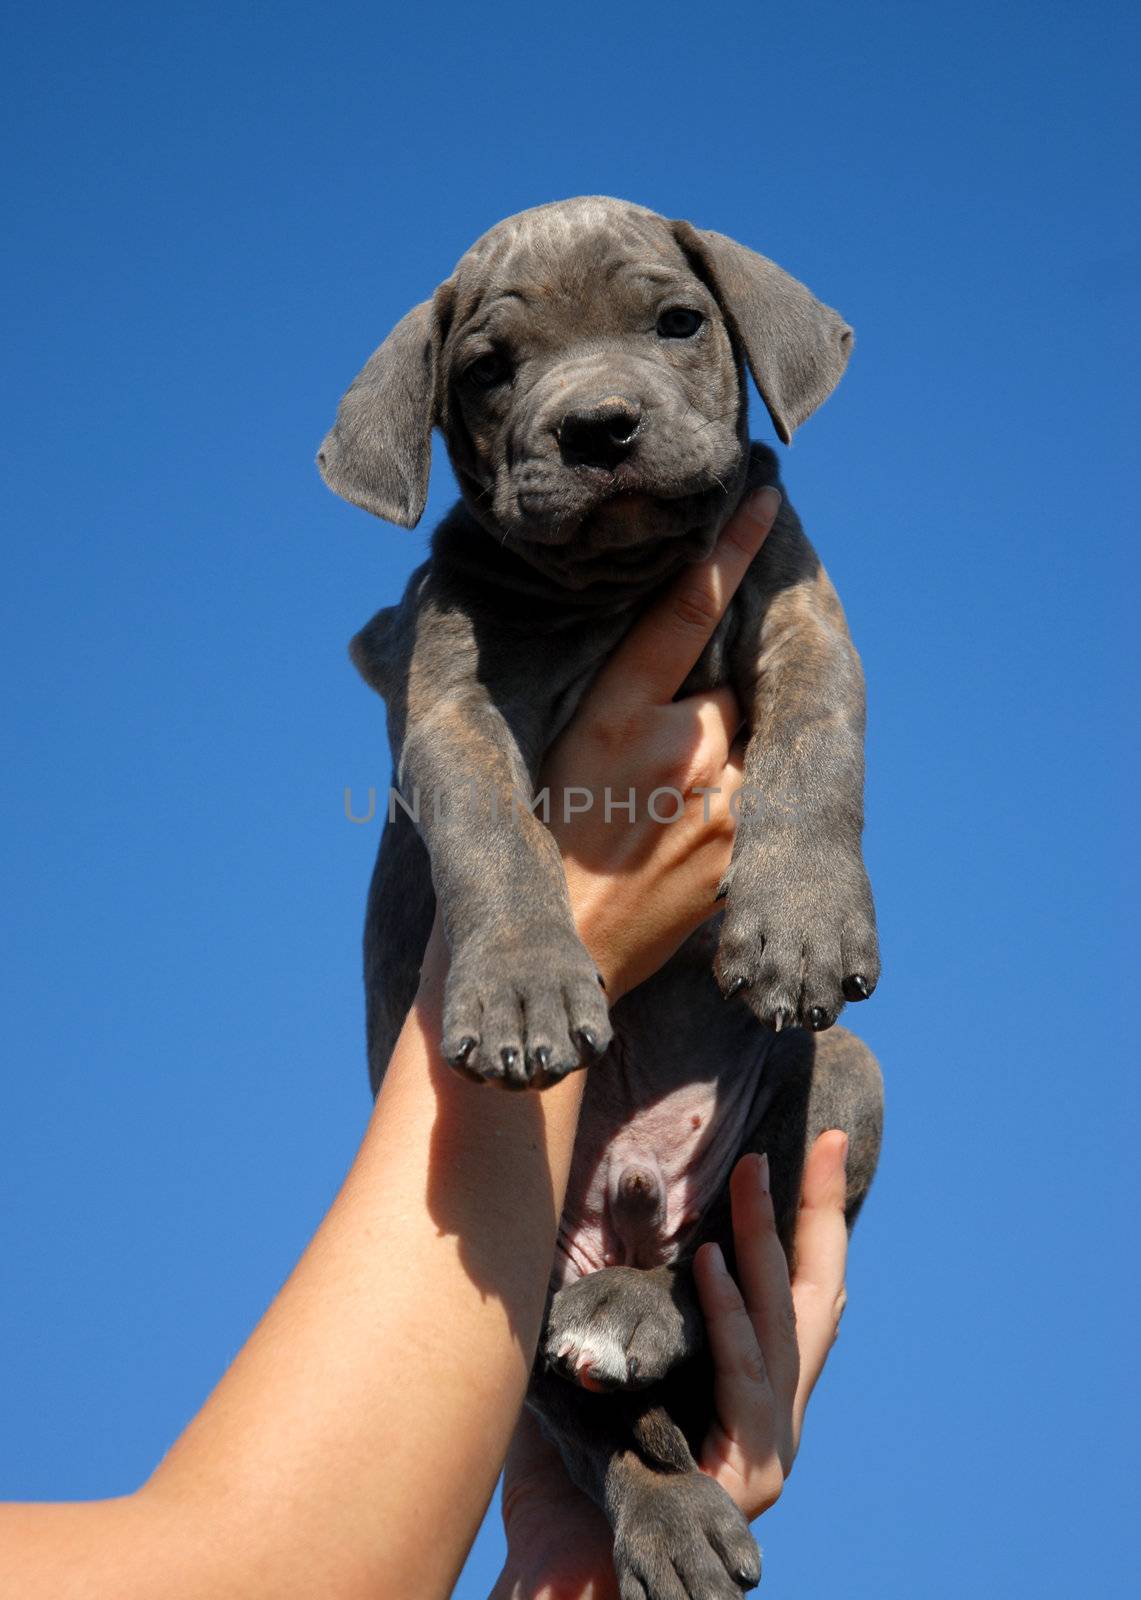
(799, 936)
(523, 1002)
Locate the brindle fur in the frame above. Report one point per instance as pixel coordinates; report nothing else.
(533, 579)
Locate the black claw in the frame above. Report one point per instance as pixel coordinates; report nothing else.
(588, 1039)
(509, 1058)
(601, 981)
(855, 987)
(463, 1050)
(722, 890)
(735, 987)
(818, 1019)
(540, 1057)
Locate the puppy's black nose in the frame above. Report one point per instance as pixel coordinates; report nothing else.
(600, 437)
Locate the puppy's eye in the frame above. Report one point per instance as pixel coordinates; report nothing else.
(488, 371)
(679, 323)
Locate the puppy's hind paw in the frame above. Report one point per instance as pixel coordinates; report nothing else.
(679, 1534)
(620, 1328)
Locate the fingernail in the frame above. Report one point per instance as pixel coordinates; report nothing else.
(763, 1173)
(764, 505)
(717, 1261)
(844, 1153)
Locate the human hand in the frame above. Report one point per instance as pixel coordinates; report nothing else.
(768, 1345)
(638, 885)
(559, 1543)
(770, 1337)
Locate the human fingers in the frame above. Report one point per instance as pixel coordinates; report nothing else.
(737, 1356)
(558, 1541)
(821, 1254)
(743, 1449)
(762, 1272)
(723, 810)
(719, 718)
(657, 655)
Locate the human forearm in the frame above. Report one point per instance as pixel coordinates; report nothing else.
(410, 1320)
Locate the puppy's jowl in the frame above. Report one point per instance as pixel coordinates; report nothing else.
(585, 363)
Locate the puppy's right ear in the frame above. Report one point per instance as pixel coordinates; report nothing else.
(378, 452)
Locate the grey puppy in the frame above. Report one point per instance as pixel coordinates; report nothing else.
(585, 363)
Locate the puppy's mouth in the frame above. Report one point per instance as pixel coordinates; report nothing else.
(620, 519)
(629, 537)
(625, 521)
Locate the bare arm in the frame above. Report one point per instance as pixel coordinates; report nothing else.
(353, 1445)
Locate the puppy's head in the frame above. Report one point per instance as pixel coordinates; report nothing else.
(585, 363)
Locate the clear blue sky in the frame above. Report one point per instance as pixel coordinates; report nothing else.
(218, 212)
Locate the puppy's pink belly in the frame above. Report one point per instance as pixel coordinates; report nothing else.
(643, 1175)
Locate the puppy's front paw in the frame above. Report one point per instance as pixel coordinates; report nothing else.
(680, 1534)
(620, 1328)
(526, 1012)
(799, 935)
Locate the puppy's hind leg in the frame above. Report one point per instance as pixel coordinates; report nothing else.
(820, 1081)
(677, 1534)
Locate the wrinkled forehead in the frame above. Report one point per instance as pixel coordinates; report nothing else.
(571, 257)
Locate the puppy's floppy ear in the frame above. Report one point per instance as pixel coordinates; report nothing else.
(378, 452)
(797, 347)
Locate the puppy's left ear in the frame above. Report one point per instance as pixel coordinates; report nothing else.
(379, 451)
(796, 346)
